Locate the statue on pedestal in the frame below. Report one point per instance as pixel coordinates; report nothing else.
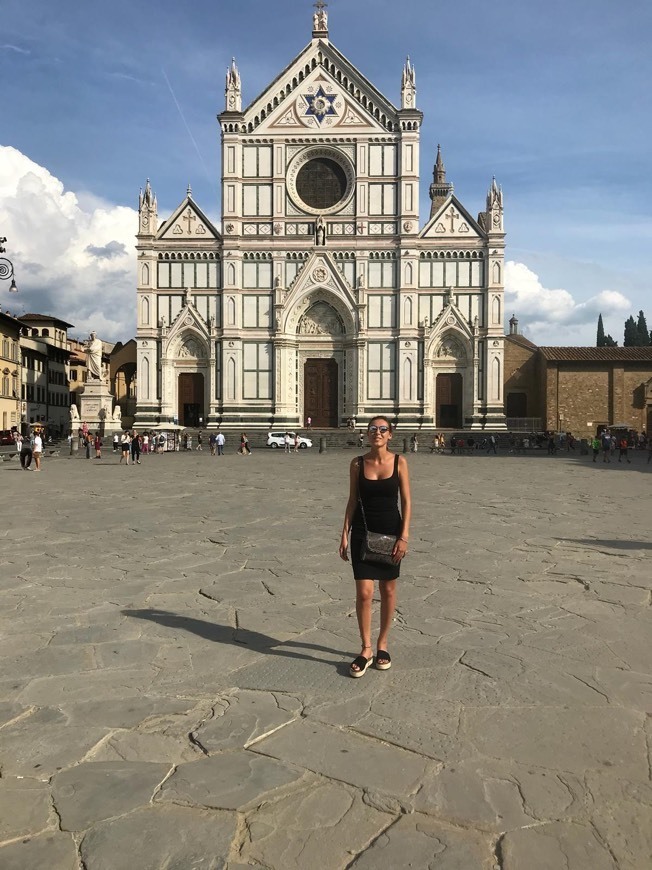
(94, 359)
(74, 413)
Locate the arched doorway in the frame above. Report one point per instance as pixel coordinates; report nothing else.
(191, 399)
(320, 399)
(449, 400)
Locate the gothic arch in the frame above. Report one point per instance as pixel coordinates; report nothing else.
(293, 313)
(144, 311)
(188, 344)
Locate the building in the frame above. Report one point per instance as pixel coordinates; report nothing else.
(323, 294)
(576, 389)
(45, 388)
(123, 380)
(10, 371)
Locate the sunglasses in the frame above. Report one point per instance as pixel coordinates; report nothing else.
(382, 429)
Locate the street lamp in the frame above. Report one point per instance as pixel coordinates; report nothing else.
(7, 267)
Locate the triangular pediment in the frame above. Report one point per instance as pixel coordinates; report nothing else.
(452, 221)
(319, 280)
(450, 334)
(188, 222)
(188, 322)
(293, 101)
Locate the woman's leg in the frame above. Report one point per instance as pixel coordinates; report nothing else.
(364, 594)
(387, 607)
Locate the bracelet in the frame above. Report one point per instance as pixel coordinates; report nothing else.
(404, 539)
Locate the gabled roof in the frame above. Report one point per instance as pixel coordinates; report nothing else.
(597, 354)
(198, 228)
(517, 338)
(45, 318)
(457, 225)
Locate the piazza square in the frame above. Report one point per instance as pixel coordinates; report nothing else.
(176, 640)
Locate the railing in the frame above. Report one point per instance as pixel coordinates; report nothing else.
(524, 424)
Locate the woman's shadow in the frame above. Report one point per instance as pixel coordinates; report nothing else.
(216, 633)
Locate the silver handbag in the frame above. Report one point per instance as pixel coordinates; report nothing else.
(376, 547)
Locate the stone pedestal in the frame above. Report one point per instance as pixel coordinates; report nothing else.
(97, 406)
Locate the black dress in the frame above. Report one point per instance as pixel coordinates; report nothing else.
(380, 500)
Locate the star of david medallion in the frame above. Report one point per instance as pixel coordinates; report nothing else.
(320, 104)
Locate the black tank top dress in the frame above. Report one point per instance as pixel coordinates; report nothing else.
(380, 500)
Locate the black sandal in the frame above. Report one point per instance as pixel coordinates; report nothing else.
(361, 663)
(387, 663)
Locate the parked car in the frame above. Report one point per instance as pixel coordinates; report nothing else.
(277, 439)
(7, 436)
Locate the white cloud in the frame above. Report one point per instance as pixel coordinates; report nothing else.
(73, 254)
(554, 317)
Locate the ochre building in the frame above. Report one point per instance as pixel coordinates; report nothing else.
(323, 294)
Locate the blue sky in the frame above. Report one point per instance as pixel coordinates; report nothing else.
(553, 99)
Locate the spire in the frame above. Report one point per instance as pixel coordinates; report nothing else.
(513, 325)
(408, 86)
(494, 219)
(147, 210)
(233, 91)
(146, 198)
(440, 189)
(320, 21)
(189, 191)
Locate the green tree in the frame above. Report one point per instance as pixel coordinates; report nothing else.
(642, 330)
(600, 338)
(631, 333)
(609, 342)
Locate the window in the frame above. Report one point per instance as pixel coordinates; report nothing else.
(257, 370)
(257, 161)
(347, 267)
(451, 273)
(257, 200)
(198, 274)
(381, 370)
(5, 348)
(382, 160)
(5, 386)
(382, 273)
(257, 311)
(257, 275)
(381, 311)
(382, 199)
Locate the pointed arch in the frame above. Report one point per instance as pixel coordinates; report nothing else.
(145, 275)
(144, 311)
(407, 380)
(230, 275)
(230, 379)
(495, 379)
(496, 273)
(230, 311)
(144, 389)
(407, 311)
(408, 273)
(495, 309)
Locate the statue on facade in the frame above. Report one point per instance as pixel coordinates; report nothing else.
(117, 414)
(320, 18)
(94, 358)
(320, 231)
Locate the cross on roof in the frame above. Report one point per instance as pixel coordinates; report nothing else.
(320, 5)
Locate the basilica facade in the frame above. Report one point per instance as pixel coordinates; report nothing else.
(322, 294)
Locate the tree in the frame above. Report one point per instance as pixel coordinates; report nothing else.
(642, 330)
(600, 338)
(609, 342)
(631, 333)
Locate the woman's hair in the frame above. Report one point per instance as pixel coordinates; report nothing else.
(380, 417)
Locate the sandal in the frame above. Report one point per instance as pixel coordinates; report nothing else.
(386, 664)
(361, 663)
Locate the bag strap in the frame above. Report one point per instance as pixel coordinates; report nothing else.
(364, 519)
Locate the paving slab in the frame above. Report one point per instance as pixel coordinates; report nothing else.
(175, 669)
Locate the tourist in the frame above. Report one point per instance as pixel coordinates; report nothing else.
(211, 443)
(414, 441)
(125, 444)
(162, 438)
(492, 444)
(145, 442)
(375, 481)
(116, 442)
(37, 451)
(220, 443)
(606, 446)
(286, 442)
(26, 453)
(595, 447)
(296, 442)
(453, 444)
(360, 440)
(18, 441)
(551, 444)
(185, 440)
(98, 446)
(309, 423)
(135, 448)
(199, 442)
(244, 445)
(622, 449)
(434, 447)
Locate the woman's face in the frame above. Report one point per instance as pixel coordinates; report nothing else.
(379, 432)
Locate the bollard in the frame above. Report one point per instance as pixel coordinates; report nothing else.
(74, 445)
(405, 445)
(322, 445)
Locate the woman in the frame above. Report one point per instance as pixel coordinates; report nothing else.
(98, 446)
(244, 444)
(37, 450)
(376, 479)
(125, 443)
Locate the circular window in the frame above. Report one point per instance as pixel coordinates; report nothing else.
(321, 183)
(321, 180)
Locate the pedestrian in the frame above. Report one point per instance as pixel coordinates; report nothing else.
(551, 444)
(145, 442)
(116, 442)
(37, 451)
(199, 441)
(434, 447)
(296, 442)
(286, 442)
(309, 423)
(125, 444)
(492, 444)
(18, 441)
(606, 446)
(185, 440)
(360, 440)
(622, 449)
(595, 447)
(375, 481)
(26, 453)
(244, 445)
(98, 446)
(220, 443)
(414, 443)
(212, 438)
(162, 439)
(453, 443)
(135, 448)
(88, 440)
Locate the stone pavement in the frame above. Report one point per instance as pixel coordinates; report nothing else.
(175, 642)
